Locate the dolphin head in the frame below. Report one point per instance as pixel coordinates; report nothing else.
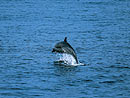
(65, 47)
(59, 46)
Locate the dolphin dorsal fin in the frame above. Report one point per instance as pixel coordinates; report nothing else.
(65, 40)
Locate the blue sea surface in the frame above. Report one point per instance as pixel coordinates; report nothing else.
(98, 30)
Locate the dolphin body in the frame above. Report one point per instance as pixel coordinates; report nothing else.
(65, 47)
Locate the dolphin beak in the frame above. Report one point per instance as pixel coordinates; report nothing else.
(53, 50)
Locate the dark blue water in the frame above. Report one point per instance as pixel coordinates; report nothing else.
(99, 31)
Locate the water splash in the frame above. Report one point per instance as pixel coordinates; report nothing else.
(66, 59)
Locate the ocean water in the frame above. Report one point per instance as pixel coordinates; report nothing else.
(98, 30)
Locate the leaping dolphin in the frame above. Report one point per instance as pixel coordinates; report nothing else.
(65, 47)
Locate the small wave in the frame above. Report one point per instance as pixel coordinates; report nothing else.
(108, 82)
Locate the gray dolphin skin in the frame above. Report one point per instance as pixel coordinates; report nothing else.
(65, 47)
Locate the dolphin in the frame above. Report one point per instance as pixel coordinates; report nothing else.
(65, 47)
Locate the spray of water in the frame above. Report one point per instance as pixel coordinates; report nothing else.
(67, 59)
